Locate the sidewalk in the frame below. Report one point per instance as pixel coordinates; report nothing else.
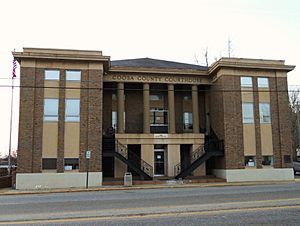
(10, 191)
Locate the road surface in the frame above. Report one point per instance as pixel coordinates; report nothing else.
(276, 204)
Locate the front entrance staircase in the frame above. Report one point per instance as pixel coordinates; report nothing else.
(211, 148)
(113, 148)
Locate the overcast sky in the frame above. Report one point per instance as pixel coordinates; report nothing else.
(171, 30)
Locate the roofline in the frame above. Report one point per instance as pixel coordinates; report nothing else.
(250, 63)
(154, 70)
(62, 54)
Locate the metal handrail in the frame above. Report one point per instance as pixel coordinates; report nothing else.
(144, 166)
(196, 154)
(211, 144)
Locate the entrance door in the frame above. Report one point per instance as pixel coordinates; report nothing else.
(185, 157)
(159, 162)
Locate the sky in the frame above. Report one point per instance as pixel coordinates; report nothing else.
(162, 29)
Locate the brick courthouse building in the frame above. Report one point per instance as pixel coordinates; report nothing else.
(155, 118)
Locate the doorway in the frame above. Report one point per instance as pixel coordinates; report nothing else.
(159, 160)
(185, 156)
(134, 155)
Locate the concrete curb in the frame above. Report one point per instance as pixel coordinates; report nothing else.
(5, 192)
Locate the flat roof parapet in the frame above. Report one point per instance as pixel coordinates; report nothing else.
(248, 63)
(61, 54)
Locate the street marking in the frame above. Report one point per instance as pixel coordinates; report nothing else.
(151, 215)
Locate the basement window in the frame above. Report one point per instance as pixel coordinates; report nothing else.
(49, 163)
(250, 161)
(267, 160)
(71, 164)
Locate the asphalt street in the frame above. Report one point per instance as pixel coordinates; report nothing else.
(276, 204)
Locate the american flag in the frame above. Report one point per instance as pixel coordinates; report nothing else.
(14, 74)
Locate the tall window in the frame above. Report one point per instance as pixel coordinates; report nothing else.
(248, 115)
(114, 119)
(72, 113)
(187, 121)
(263, 83)
(73, 75)
(51, 74)
(50, 109)
(264, 112)
(246, 81)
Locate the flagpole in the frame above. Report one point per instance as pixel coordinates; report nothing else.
(10, 129)
(11, 114)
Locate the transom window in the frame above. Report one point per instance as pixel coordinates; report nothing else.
(51, 74)
(72, 113)
(73, 75)
(248, 115)
(263, 83)
(246, 81)
(50, 109)
(156, 97)
(264, 112)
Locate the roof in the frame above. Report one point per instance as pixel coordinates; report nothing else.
(154, 63)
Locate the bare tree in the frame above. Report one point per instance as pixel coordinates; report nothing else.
(294, 97)
(229, 46)
(206, 56)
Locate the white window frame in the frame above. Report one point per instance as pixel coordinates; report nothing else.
(73, 75)
(70, 116)
(263, 82)
(50, 77)
(247, 120)
(246, 82)
(51, 114)
(263, 116)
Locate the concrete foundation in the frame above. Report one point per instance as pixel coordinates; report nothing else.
(57, 180)
(243, 175)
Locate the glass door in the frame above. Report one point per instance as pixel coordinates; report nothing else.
(159, 162)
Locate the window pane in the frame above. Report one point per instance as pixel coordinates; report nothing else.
(73, 75)
(246, 81)
(264, 111)
(248, 116)
(51, 109)
(51, 74)
(263, 82)
(72, 110)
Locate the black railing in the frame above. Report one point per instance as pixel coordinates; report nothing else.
(197, 153)
(210, 145)
(134, 159)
